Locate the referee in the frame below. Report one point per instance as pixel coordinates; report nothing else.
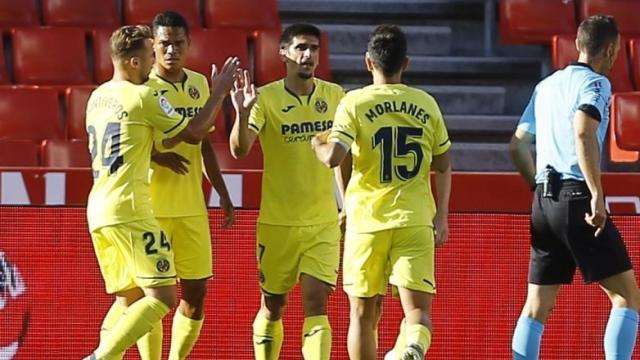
(568, 116)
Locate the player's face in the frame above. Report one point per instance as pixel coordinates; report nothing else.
(302, 56)
(171, 47)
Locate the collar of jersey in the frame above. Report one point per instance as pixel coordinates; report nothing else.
(298, 97)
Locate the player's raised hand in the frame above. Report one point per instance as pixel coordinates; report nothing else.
(176, 162)
(223, 81)
(229, 212)
(244, 94)
(441, 224)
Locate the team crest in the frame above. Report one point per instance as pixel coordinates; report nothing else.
(163, 265)
(321, 106)
(194, 93)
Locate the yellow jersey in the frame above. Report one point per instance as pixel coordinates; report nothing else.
(174, 195)
(297, 189)
(121, 118)
(393, 131)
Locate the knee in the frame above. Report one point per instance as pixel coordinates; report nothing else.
(363, 315)
(629, 300)
(539, 310)
(273, 306)
(194, 294)
(315, 300)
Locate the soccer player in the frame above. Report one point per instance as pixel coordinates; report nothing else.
(396, 135)
(177, 198)
(135, 256)
(568, 115)
(297, 232)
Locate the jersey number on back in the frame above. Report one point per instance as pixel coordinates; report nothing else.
(111, 158)
(395, 142)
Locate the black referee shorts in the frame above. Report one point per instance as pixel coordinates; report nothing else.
(561, 239)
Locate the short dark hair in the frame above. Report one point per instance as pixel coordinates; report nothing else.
(387, 48)
(128, 40)
(286, 38)
(170, 19)
(596, 32)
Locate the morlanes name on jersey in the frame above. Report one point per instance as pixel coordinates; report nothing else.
(397, 107)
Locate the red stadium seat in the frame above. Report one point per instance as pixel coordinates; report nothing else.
(29, 114)
(65, 153)
(624, 129)
(4, 76)
(535, 21)
(214, 46)
(80, 13)
(634, 56)
(143, 11)
(18, 13)
(76, 101)
(102, 66)
(564, 52)
(18, 153)
(625, 11)
(253, 161)
(50, 56)
(268, 64)
(247, 14)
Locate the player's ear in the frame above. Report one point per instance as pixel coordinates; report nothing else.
(134, 61)
(405, 64)
(368, 61)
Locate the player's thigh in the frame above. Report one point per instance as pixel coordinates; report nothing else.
(278, 255)
(320, 257)
(142, 252)
(365, 261)
(412, 262)
(191, 241)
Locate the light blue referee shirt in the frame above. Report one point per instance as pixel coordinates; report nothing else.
(550, 113)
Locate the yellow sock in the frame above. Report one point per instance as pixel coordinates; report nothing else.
(316, 338)
(267, 338)
(184, 334)
(420, 335)
(136, 321)
(150, 344)
(110, 320)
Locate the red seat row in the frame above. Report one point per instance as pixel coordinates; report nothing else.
(625, 72)
(536, 21)
(83, 13)
(48, 153)
(67, 63)
(624, 131)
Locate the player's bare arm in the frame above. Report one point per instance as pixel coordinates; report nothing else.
(329, 153)
(519, 148)
(213, 173)
(343, 175)
(587, 151)
(442, 166)
(243, 97)
(199, 126)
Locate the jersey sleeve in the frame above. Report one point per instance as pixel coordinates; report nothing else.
(345, 126)
(527, 121)
(594, 97)
(160, 114)
(257, 116)
(441, 141)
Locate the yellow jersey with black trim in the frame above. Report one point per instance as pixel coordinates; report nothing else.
(297, 189)
(174, 195)
(393, 131)
(121, 118)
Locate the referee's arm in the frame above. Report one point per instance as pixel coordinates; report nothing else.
(519, 148)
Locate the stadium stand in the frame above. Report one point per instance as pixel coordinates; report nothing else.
(18, 13)
(143, 11)
(634, 58)
(18, 153)
(528, 21)
(83, 13)
(65, 153)
(76, 98)
(29, 114)
(625, 11)
(65, 62)
(228, 42)
(235, 13)
(4, 76)
(625, 127)
(102, 67)
(253, 161)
